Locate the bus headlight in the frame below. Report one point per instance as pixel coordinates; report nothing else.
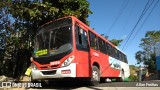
(67, 61)
(34, 66)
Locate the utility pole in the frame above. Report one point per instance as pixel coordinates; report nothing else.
(140, 73)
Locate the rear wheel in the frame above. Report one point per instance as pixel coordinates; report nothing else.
(95, 76)
(121, 79)
(122, 76)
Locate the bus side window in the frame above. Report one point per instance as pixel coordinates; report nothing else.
(93, 41)
(125, 59)
(112, 52)
(102, 47)
(106, 45)
(81, 39)
(109, 50)
(119, 55)
(116, 53)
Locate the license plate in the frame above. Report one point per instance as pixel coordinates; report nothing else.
(28, 71)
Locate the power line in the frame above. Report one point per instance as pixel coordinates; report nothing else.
(124, 27)
(144, 21)
(142, 14)
(118, 15)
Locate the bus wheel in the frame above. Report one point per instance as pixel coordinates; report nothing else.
(121, 79)
(122, 76)
(95, 76)
(31, 80)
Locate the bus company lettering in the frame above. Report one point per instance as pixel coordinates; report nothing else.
(95, 54)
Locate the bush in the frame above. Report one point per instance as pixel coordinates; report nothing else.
(133, 78)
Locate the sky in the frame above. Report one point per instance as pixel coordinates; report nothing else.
(117, 18)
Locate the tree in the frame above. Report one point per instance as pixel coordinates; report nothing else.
(147, 54)
(116, 42)
(30, 14)
(20, 19)
(113, 41)
(133, 72)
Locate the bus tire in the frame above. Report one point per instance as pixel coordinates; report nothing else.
(95, 78)
(121, 79)
(122, 76)
(32, 80)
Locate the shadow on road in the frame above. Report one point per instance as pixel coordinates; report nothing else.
(67, 85)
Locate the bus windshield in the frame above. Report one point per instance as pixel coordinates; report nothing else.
(54, 41)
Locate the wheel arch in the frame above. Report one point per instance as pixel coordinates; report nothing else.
(96, 64)
(122, 70)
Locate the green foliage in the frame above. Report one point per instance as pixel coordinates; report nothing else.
(133, 72)
(147, 54)
(116, 42)
(77, 8)
(148, 43)
(140, 56)
(19, 21)
(113, 41)
(133, 78)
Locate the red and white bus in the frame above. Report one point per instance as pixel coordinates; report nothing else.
(67, 48)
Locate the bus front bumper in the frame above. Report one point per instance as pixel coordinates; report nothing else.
(69, 71)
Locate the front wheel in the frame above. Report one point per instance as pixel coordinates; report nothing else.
(32, 80)
(95, 76)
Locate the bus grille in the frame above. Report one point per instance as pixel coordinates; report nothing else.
(49, 72)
